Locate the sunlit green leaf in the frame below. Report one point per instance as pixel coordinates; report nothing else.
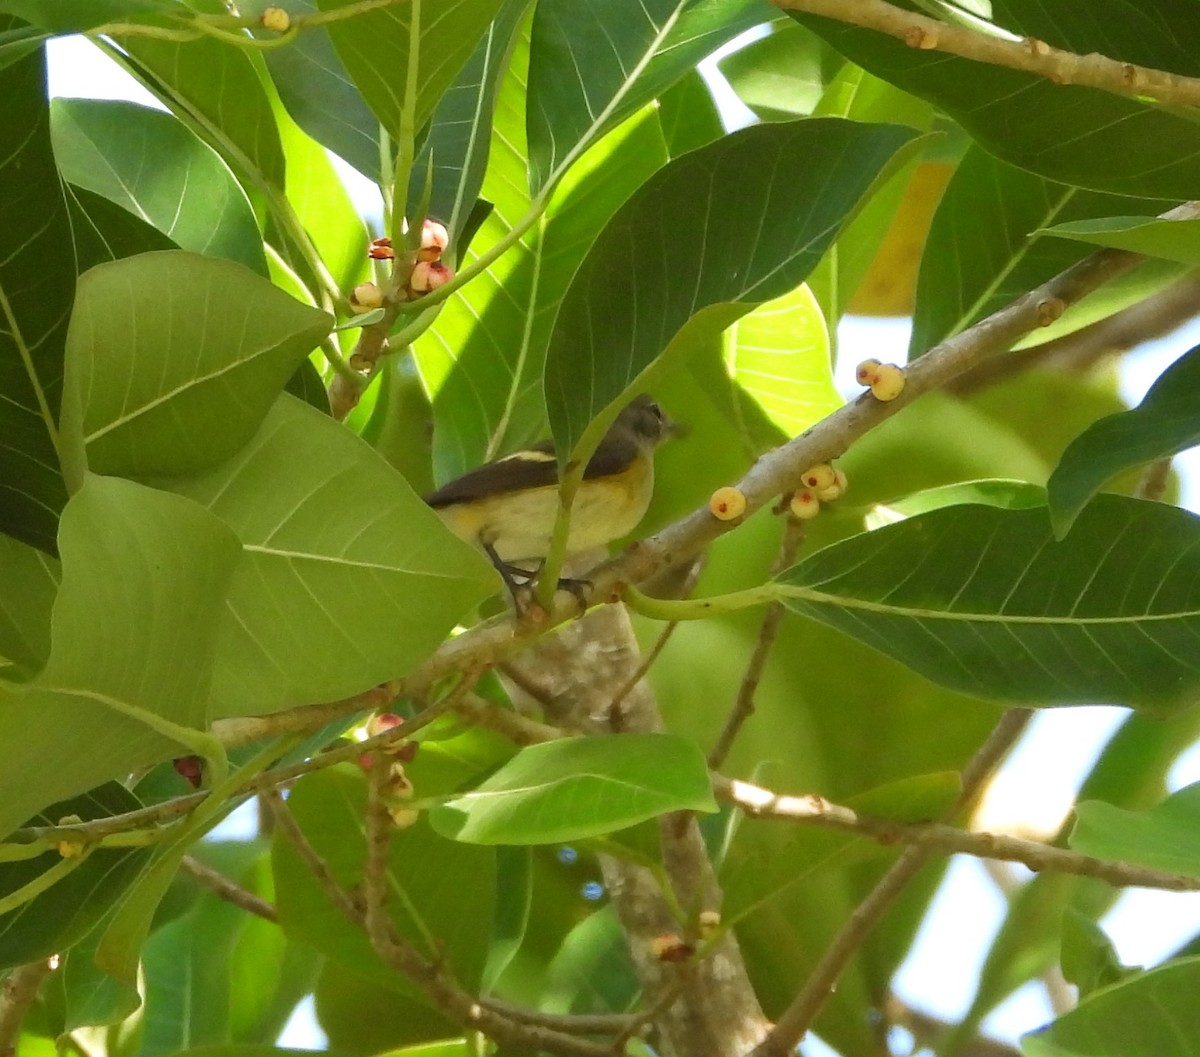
(990, 223)
(156, 568)
(779, 354)
(1173, 240)
(348, 579)
(174, 359)
(148, 163)
(27, 592)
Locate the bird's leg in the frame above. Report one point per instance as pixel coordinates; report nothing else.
(521, 591)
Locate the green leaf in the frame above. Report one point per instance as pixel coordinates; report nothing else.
(438, 888)
(486, 352)
(1172, 240)
(156, 568)
(779, 354)
(1160, 838)
(1167, 421)
(577, 788)
(1008, 495)
(784, 75)
(103, 231)
(174, 360)
(347, 579)
(762, 863)
(215, 90)
(320, 97)
(1089, 959)
(460, 129)
(984, 601)
(1117, 144)
(689, 115)
(64, 913)
(75, 16)
(714, 233)
(148, 163)
(27, 592)
(591, 66)
(991, 221)
(185, 965)
(1153, 1015)
(375, 47)
(37, 283)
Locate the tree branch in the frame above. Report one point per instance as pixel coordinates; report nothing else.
(768, 630)
(949, 840)
(1154, 317)
(792, 1026)
(224, 888)
(1004, 49)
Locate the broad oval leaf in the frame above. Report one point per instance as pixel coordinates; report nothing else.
(578, 788)
(347, 578)
(68, 910)
(984, 600)
(705, 239)
(133, 637)
(1167, 421)
(1163, 837)
(1155, 1014)
(174, 360)
(37, 283)
(149, 163)
(74, 16)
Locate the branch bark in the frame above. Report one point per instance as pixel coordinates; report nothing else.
(1004, 49)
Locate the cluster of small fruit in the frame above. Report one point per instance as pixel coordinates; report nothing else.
(428, 273)
(821, 483)
(396, 788)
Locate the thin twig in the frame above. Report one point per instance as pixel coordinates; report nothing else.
(224, 888)
(949, 840)
(1155, 316)
(792, 1026)
(570, 1023)
(286, 824)
(520, 730)
(1004, 49)
(768, 630)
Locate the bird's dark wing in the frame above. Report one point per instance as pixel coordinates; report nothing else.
(513, 474)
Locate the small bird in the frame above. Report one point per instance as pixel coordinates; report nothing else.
(508, 507)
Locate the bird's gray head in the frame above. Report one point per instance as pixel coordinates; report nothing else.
(645, 420)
